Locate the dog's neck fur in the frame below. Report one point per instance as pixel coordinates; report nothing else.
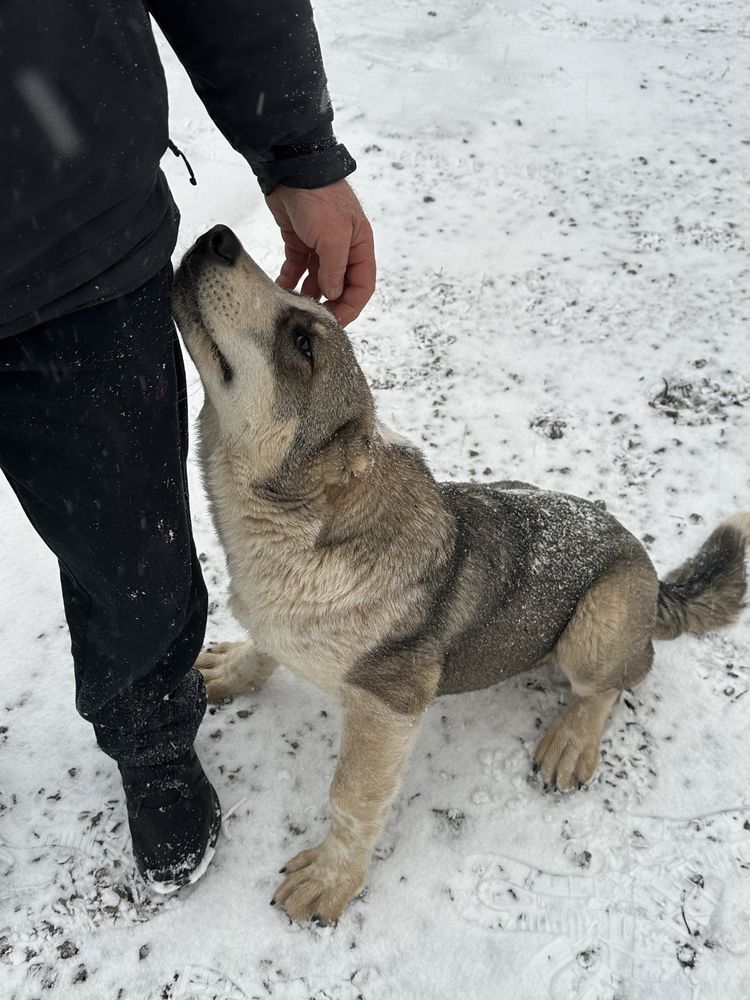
(385, 505)
(313, 514)
(372, 513)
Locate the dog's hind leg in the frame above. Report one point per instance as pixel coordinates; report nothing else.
(605, 648)
(231, 668)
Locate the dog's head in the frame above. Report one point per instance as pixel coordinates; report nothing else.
(276, 367)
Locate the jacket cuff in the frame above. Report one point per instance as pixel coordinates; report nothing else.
(304, 166)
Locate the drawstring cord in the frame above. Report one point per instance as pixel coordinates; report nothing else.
(178, 152)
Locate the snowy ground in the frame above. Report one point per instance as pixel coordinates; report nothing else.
(560, 199)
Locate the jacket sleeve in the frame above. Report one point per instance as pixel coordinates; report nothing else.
(257, 67)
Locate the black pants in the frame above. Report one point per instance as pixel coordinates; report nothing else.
(93, 440)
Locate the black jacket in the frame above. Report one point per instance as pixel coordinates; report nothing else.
(85, 212)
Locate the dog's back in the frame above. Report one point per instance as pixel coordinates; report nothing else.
(523, 559)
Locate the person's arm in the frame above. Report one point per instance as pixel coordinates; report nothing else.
(257, 68)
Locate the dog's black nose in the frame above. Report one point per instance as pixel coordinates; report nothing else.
(220, 242)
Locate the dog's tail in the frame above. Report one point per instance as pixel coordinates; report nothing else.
(707, 591)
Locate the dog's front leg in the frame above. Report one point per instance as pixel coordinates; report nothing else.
(375, 744)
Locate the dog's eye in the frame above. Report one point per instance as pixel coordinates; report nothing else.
(302, 343)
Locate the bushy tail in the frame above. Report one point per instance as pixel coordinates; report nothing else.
(707, 591)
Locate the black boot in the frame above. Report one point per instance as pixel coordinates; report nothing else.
(174, 817)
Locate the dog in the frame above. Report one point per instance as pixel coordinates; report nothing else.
(353, 567)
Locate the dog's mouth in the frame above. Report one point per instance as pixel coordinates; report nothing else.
(227, 372)
(200, 325)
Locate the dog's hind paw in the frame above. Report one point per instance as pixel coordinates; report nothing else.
(231, 668)
(319, 883)
(564, 760)
(568, 754)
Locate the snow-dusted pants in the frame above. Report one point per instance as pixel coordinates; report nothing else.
(93, 440)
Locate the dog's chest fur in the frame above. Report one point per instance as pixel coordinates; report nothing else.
(310, 608)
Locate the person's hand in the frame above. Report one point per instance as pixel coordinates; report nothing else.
(327, 234)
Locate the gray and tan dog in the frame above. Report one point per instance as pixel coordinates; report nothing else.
(351, 565)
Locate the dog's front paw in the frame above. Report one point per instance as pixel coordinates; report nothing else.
(319, 883)
(231, 668)
(566, 757)
(217, 667)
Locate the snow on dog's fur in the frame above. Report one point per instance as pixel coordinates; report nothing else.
(351, 565)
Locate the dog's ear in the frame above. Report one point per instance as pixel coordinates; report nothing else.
(348, 455)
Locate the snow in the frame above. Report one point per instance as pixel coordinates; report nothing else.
(560, 202)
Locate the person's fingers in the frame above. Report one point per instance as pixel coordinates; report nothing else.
(358, 288)
(345, 314)
(333, 256)
(327, 234)
(361, 273)
(296, 258)
(295, 264)
(311, 284)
